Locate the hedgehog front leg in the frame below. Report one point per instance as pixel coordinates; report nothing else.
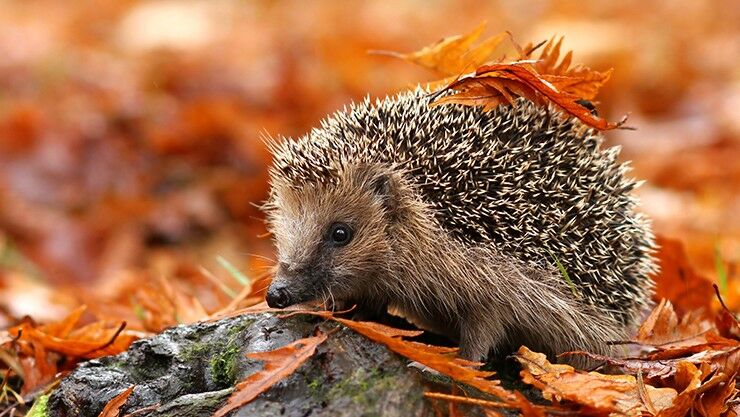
(478, 337)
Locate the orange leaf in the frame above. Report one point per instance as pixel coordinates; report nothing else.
(38, 370)
(597, 393)
(530, 85)
(435, 357)
(678, 280)
(454, 55)
(714, 401)
(497, 83)
(64, 327)
(92, 341)
(585, 83)
(113, 408)
(661, 325)
(579, 80)
(279, 363)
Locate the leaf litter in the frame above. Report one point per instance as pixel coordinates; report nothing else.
(687, 358)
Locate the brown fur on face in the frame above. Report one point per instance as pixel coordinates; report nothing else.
(308, 265)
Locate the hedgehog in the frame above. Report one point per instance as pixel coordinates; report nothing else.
(494, 228)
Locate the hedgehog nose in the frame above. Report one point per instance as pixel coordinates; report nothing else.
(278, 297)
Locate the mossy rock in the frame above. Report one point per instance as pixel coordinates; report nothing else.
(190, 371)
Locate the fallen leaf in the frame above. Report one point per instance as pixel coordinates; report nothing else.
(687, 380)
(714, 401)
(279, 363)
(113, 408)
(678, 281)
(597, 393)
(441, 359)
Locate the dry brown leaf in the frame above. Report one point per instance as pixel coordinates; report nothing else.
(687, 382)
(595, 392)
(661, 326)
(584, 85)
(714, 401)
(279, 363)
(91, 341)
(491, 85)
(578, 80)
(548, 79)
(441, 359)
(667, 337)
(113, 408)
(454, 55)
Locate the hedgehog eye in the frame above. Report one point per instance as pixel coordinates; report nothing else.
(340, 234)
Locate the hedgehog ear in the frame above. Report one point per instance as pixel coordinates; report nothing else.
(387, 188)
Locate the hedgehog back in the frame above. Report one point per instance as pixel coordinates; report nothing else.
(525, 179)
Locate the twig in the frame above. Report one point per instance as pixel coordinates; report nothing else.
(109, 342)
(467, 400)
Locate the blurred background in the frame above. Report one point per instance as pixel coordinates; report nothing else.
(130, 131)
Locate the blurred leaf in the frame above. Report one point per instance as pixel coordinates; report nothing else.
(678, 281)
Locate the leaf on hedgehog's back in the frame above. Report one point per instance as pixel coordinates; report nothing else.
(494, 84)
(454, 55)
(578, 80)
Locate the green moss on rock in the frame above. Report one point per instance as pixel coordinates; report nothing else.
(362, 387)
(223, 364)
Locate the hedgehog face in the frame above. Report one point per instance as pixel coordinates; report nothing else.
(330, 238)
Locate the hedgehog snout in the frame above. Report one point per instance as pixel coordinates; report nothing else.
(278, 295)
(293, 284)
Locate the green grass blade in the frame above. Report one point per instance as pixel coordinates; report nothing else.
(238, 275)
(565, 275)
(719, 267)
